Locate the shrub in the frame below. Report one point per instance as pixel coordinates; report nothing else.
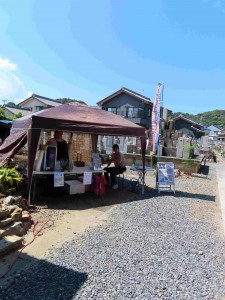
(191, 149)
(188, 164)
(10, 179)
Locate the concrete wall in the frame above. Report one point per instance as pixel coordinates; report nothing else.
(179, 163)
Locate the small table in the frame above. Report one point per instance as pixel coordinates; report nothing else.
(141, 175)
(74, 171)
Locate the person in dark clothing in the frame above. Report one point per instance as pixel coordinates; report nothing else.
(61, 144)
(62, 156)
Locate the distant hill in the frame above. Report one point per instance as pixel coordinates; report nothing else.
(68, 100)
(214, 117)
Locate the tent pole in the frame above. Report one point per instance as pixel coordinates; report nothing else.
(143, 152)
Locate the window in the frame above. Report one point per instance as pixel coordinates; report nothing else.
(38, 108)
(28, 107)
(135, 112)
(113, 110)
(130, 112)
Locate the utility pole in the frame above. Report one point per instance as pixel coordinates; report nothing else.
(4, 102)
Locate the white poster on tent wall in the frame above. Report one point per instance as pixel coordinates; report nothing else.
(58, 179)
(87, 178)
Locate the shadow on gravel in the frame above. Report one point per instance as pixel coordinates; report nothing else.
(60, 200)
(127, 193)
(195, 196)
(153, 193)
(42, 280)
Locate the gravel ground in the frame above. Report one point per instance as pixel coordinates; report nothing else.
(159, 247)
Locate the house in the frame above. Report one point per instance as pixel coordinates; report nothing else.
(11, 110)
(213, 132)
(133, 106)
(36, 103)
(129, 104)
(215, 129)
(220, 138)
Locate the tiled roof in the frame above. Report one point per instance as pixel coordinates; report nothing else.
(197, 129)
(214, 128)
(188, 120)
(129, 92)
(16, 110)
(44, 100)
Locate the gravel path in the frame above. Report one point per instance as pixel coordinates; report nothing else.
(160, 247)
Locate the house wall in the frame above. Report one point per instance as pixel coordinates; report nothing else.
(122, 101)
(32, 103)
(8, 113)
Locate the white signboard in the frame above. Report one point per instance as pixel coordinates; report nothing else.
(58, 179)
(87, 178)
(166, 175)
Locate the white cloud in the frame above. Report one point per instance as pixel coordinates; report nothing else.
(11, 86)
(6, 64)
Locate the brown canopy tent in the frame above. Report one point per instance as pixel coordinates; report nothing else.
(68, 117)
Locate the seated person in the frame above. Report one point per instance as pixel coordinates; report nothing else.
(119, 166)
(61, 144)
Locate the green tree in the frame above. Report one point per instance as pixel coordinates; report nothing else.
(214, 117)
(17, 116)
(68, 100)
(11, 104)
(3, 115)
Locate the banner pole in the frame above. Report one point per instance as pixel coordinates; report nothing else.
(160, 123)
(156, 123)
(160, 132)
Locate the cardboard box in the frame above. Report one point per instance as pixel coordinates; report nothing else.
(74, 187)
(86, 186)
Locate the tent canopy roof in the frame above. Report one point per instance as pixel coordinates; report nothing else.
(68, 117)
(73, 117)
(81, 118)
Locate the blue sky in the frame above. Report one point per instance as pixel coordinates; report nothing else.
(88, 49)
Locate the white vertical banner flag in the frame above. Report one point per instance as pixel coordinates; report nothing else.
(156, 118)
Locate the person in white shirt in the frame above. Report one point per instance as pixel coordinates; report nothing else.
(119, 166)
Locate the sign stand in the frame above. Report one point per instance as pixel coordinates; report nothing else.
(165, 177)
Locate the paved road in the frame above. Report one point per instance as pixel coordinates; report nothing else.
(220, 170)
